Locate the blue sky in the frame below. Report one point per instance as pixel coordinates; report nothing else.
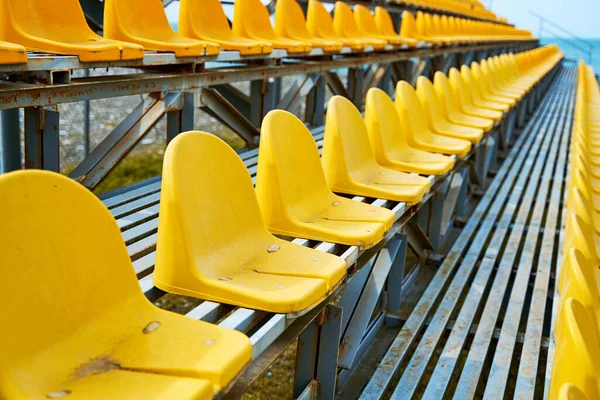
(577, 16)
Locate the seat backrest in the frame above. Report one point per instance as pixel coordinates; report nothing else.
(432, 105)
(364, 20)
(343, 20)
(420, 23)
(346, 146)
(408, 27)
(203, 19)
(149, 21)
(318, 20)
(289, 166)
(445, 94)
(383, 124)
(64, 264)
(474, 90)
(289, 18)
(462, 93)
(207, 208)
(384, 22)
(409, 108)
(577, 356)
(251, 18)
(56, 19)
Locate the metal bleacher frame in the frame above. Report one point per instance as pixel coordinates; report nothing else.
(332, 342)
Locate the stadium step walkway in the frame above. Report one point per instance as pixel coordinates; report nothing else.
(482, 327)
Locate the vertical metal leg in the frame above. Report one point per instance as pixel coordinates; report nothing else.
(86, 121)
(42, 150)
(384, 83)
(355, 84)
(10, 141)
(262, 99)
(437, 210)
(327, 359)
(462, 201)
(395, 280)
(306, 355)
(181, 120)
(315, 103)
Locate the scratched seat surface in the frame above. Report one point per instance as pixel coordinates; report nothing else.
(482, 328)
(212, 242)
(74, 340)
(293, 194)
(59, 26)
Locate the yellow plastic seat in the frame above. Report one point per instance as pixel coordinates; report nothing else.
(350, 165)
(58, 26)
(389, 143)
(290, 23)
(463, 97)
(213, 244)
(408, 29)
(494, 83)
(569, 391)
(422, 23)
(385, 26)
(79, 323)
(365, 23)
(206, 20)
(475, 94)
(293, 194)
(11, 53)
(482, 82)
(320, 24)
(451, 108)
(344, 25)
(148, 26)
(251, 20)
(437, 121)
(412, 118)
(577, 354)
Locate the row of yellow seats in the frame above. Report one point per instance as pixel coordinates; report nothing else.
(468, 8)
(449, 30)
(576, 369)
(89, 332)
(59, 26)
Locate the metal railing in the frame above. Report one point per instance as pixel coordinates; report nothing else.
(571, 39)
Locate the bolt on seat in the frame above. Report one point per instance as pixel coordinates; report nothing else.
(206, 20)
(213, 244)
(419, 135)
(293, 194)
(437, 121)
(350, 165)
(148, 26)
(80, 327)
(476, 95)
(59, 26)
(290, 23)
(365, 23)
(320, 24)
(345, 26)
(385, 26)
(389, 143)
(251, 20)
(462, 93)
(11, 53)
(451, 108)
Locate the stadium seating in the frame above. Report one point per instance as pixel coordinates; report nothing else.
(345, 26)
(79, 324)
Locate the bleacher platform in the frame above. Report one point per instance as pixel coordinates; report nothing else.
(412, 235)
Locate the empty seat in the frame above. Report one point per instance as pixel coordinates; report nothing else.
(436, 118)
(290, 23)
(476, 95)
(462, 93)
(451, 108)
(79, 323)
(389, 143)
(495, 83)
(408, 28)
(419, 135)
(251, 20)
(12, 53)
(345, 26)
(213, 244)
(293, 194)
(577, 354)
(365, 23)
(148, 26)
(206, 20)
(320, 24)
(483, 83)
(350, 165)
(59, 26)
(385, 26)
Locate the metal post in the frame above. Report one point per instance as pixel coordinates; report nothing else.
(315, 103)
(10, 141)
(42, 138)
(181, 120)
(86, 121)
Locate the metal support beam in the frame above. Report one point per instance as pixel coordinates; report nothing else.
(315, 103)
(298, 90)
(42, 149)
(262, 99)
(336, 85)
(395, 280)
(355, 85)
(10, 141)
(216, 105)
(181, 120)
(239, 99)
